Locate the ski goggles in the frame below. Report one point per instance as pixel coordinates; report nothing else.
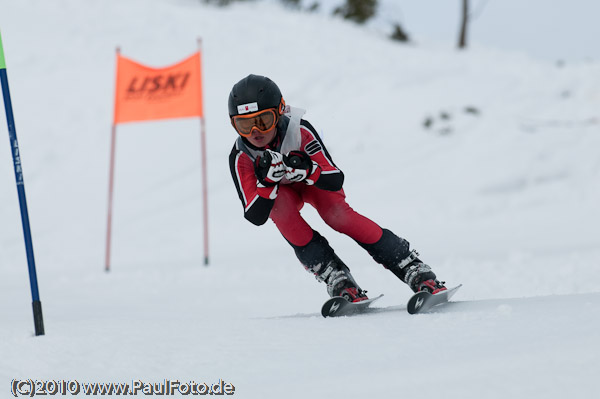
(263, 121)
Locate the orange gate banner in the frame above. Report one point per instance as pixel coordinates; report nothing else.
(144, 93)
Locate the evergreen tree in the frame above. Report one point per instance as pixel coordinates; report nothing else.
(357, 10)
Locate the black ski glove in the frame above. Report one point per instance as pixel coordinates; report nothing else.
(269, 169)
(299, 166)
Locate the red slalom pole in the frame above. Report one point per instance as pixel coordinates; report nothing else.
(204, 190)
(204, 173)
(111, 182)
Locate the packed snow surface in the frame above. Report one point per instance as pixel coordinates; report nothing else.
(500, 193)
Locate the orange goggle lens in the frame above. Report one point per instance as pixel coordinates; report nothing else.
(262, 121)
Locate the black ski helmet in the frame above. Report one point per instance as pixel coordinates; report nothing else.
(255, 93)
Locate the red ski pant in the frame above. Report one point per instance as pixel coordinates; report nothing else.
(331, 206)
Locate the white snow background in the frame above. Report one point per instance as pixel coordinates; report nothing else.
(504, 201)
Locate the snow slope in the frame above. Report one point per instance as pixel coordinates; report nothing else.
(503, 200)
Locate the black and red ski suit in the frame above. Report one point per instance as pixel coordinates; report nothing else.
(283, 202)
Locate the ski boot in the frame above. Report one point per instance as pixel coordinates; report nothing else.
(395, 255)
(318, 258)
(418, 275)
(340, 282)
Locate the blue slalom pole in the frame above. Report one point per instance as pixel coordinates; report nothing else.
(38, 319)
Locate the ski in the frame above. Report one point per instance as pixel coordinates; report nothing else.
(340, 306)
(423, 301)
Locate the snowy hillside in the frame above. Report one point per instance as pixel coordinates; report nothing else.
(499, 193)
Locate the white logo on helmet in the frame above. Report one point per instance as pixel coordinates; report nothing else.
(247, 108)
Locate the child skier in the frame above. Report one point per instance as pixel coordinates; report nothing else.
(279, 163)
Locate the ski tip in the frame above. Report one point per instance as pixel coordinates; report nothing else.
(333, 305)
(339, 306)
(423, 301)
(417, 301)
(453, 290)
